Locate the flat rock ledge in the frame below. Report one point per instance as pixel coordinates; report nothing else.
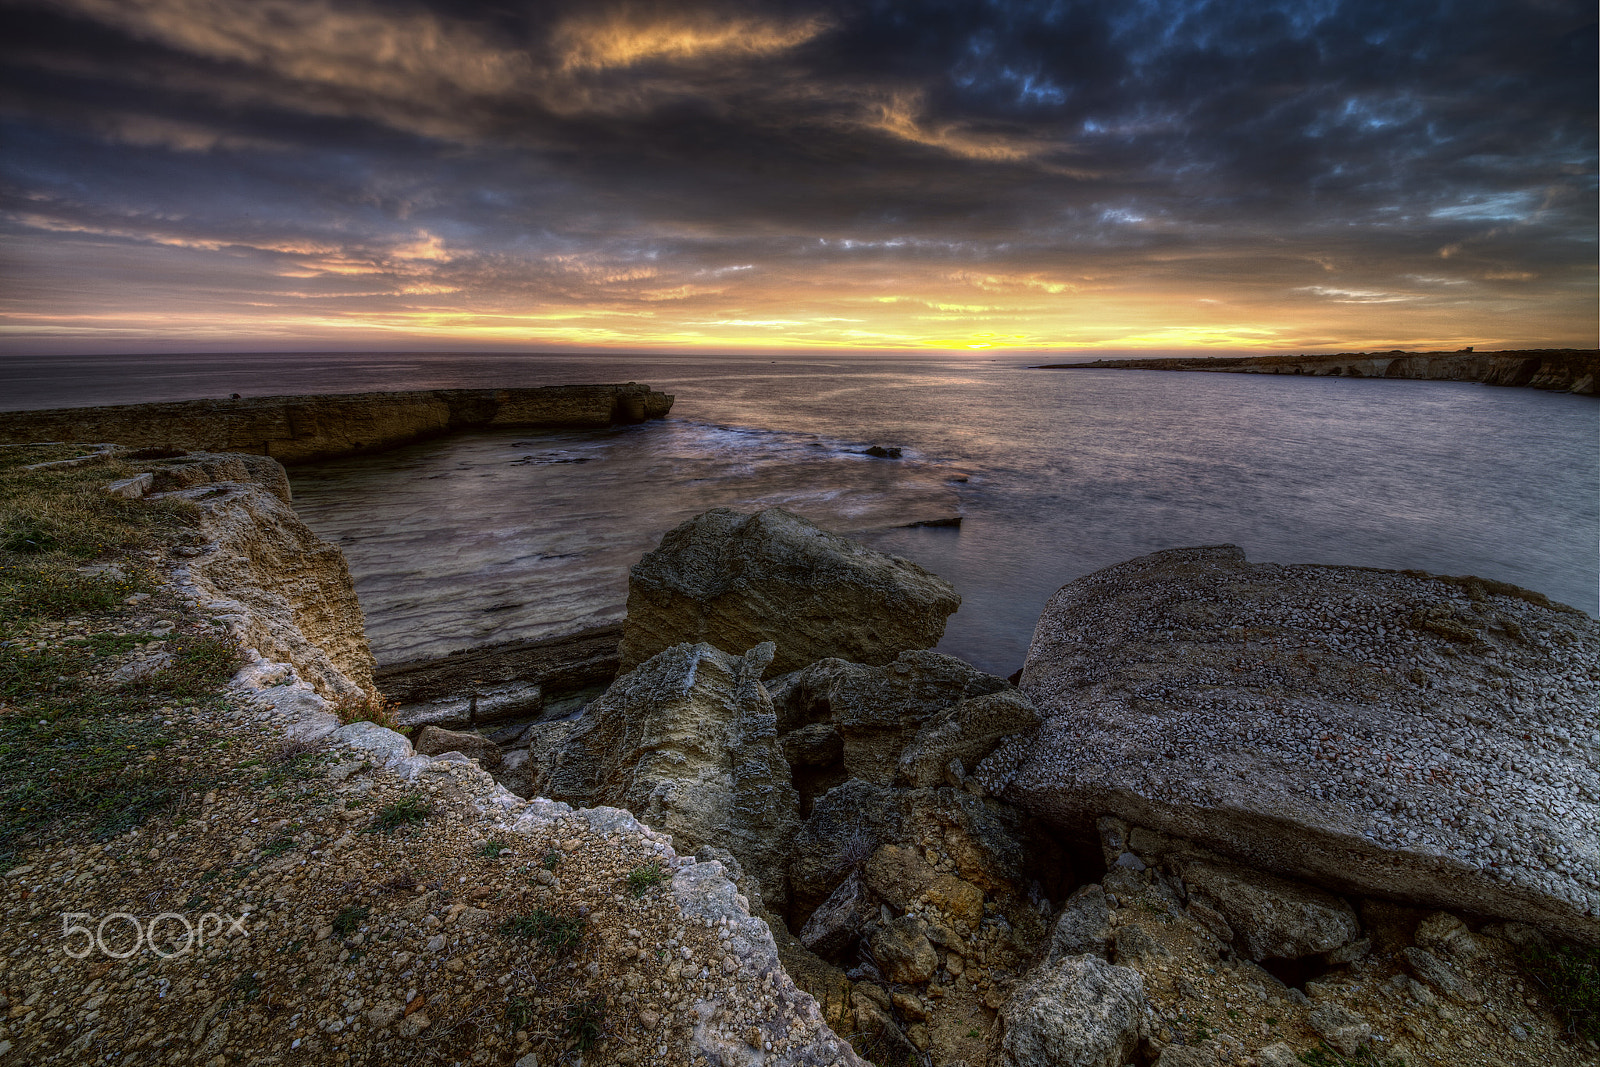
(302, 429)
(1429, 739)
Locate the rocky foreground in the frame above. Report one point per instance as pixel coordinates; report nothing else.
(1233, 814)
(1565, 370)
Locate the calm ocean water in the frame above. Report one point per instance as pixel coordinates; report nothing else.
(490, 537)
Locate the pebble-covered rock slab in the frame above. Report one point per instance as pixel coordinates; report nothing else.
(1394, 733)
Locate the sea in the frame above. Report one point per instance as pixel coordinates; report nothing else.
(508, 535)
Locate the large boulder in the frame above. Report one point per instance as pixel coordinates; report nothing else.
(1394, 734)
(735, 580)
(687, 743)
(1078, 1012)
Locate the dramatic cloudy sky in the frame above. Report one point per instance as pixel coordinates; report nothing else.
(1159, 174)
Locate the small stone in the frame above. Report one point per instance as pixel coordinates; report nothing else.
(1340, 1028)
(1278, 1054)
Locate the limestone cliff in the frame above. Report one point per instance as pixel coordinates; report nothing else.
(301, 429)
(290, 591)
(1566, 370)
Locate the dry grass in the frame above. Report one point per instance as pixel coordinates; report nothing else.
(369, 708)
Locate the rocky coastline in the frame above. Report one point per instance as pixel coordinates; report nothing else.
(1229, 813)
(1563, 370)
(304, 429)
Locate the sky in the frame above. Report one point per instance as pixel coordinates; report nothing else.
(1140, 175)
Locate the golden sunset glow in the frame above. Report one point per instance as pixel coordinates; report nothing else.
(310, 173)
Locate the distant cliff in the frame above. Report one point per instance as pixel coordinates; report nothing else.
(1566, 370)
(301, 429)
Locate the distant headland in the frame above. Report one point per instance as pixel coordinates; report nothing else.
(303, 429)
(1565, 370)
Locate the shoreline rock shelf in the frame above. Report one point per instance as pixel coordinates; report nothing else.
(303, 429)
(1397, 733)
(1565, 370)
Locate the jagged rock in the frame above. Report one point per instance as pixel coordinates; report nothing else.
(1189, 1056)
(1133, 947)
(1340, 1027)
(748, 886)
(1084, 925)
(1444, 934)
(1078, 1012)
(878, 711)
(957, 898)
(1278, 1054)
(293, 598)
(897, 874)
(1319, 723)
(1272, 917)
(1211, 920)
(131, 488)
(876, 1034)
(994, 846)
(834, 925)
(816, 745)
(846, 827)
(969, 731)
(687, 743)
(1439, 974)
(834, 993)
(191, 469)
(903, 952)
(736, 580)
(433, 741)
(380, 744)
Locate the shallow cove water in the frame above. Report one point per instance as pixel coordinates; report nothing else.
(492, 537)
(496, 537)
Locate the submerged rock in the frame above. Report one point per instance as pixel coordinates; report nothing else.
(1390, 733)
(736, 580)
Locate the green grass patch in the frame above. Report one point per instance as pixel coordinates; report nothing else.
(344, 924)
(551, 860)
(277, 848)
(1569, 975)
(582, 1022)
(1323, 1056)
(407, 811)
(520, 1011)
(116, 644)
(560, 934)
(25, 672)
(90, 769)
(49, 589)
(245, 988)
(644, 877)
(201, 663)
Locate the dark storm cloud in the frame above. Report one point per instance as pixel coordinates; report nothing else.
(628, 154)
